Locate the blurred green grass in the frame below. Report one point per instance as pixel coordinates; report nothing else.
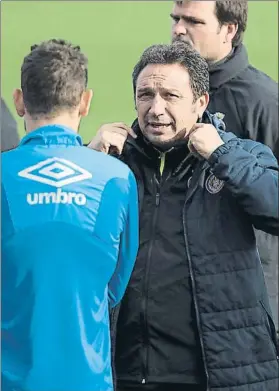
(113, 34)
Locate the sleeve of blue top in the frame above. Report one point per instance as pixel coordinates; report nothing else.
(128, 247)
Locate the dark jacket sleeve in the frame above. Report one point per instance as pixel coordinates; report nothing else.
(268, 126)
(9, 134)
(261, 118)
(250, 172)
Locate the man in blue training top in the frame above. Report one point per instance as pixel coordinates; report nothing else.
(69, 237)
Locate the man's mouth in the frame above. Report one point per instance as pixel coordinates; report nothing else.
(158, 124)
(182, 39)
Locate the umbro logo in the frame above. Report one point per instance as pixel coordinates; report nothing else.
(56, 172)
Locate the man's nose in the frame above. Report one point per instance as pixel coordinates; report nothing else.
(158, 106)
(179, 28)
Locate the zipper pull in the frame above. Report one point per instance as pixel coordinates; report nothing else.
(162, 163)
(157, 199)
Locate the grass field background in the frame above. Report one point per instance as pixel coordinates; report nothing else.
(113, 34)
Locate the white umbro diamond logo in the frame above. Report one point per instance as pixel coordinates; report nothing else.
(55, 172)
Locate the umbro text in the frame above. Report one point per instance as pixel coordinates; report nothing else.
(58, 197)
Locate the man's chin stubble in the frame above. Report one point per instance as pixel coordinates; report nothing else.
(179, 39)
(178, 140)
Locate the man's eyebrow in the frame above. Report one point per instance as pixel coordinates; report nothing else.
(164, 90)
(144, 89)
(171, 90)
(189, 19)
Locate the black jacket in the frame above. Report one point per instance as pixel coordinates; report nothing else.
(162, 348)
(249, 100)
(236, 331)
(9, 134)
(247, 97)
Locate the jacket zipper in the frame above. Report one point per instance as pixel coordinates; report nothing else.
(146, 277)
(193, 282)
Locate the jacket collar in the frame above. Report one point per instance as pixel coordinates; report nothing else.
(52, 134)
(146, 148)
(222, 72)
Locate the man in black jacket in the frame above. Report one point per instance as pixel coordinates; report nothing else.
(195, 316)
(9, 134)
(246, 97)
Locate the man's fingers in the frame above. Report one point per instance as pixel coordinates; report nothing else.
(132, 133)
(114, 141)
(110, 140)
(116, 130)
(111, 149)
(111, 135)
(114, 151)
(194, 129)
(105, 148)
(121, 126)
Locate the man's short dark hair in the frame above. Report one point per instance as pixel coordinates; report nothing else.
(233, 11)
(53, 78)
(177, 53)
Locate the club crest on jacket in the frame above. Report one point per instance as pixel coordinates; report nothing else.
(213, 185)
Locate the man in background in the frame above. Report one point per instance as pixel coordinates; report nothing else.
(246, 98)
(9, 134)
(69, 234)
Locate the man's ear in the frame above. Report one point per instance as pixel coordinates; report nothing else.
(202, 104)
(18, 102)
(85, 103)
(231, 30)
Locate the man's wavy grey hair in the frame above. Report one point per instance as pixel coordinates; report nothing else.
(177, 53)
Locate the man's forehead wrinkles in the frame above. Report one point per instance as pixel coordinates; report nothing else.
(153, 77)
(159, 88)
(169, 79)
(150, 81)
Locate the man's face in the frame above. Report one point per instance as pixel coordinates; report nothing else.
(165, 104)
(196, 22)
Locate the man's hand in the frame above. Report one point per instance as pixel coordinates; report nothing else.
(111, 135)
(204, 140)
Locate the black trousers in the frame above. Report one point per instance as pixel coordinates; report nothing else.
(127, 386)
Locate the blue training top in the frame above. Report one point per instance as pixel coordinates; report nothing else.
(69, 243)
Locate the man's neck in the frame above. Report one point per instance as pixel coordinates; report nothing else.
(63, 120)
(216, 63)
